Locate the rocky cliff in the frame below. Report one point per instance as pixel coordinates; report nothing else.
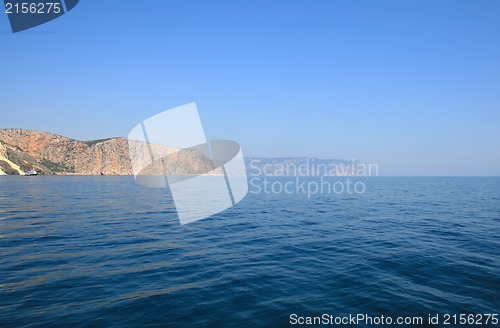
(21, 150)
(15, 162)
(54, 154)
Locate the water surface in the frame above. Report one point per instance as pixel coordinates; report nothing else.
(103, 251)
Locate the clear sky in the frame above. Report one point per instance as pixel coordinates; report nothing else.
(413, 86)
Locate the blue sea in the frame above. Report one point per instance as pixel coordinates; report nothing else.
(106, 252)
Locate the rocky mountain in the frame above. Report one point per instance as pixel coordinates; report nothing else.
(15, 162)
(54, 154)
(22, 150)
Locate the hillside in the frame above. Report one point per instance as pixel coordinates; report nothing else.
(15, 162)
(54, 154)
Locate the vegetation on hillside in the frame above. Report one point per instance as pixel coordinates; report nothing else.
(57, 167)
(90, 143)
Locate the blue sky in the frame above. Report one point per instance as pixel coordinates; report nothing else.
(413, 86)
